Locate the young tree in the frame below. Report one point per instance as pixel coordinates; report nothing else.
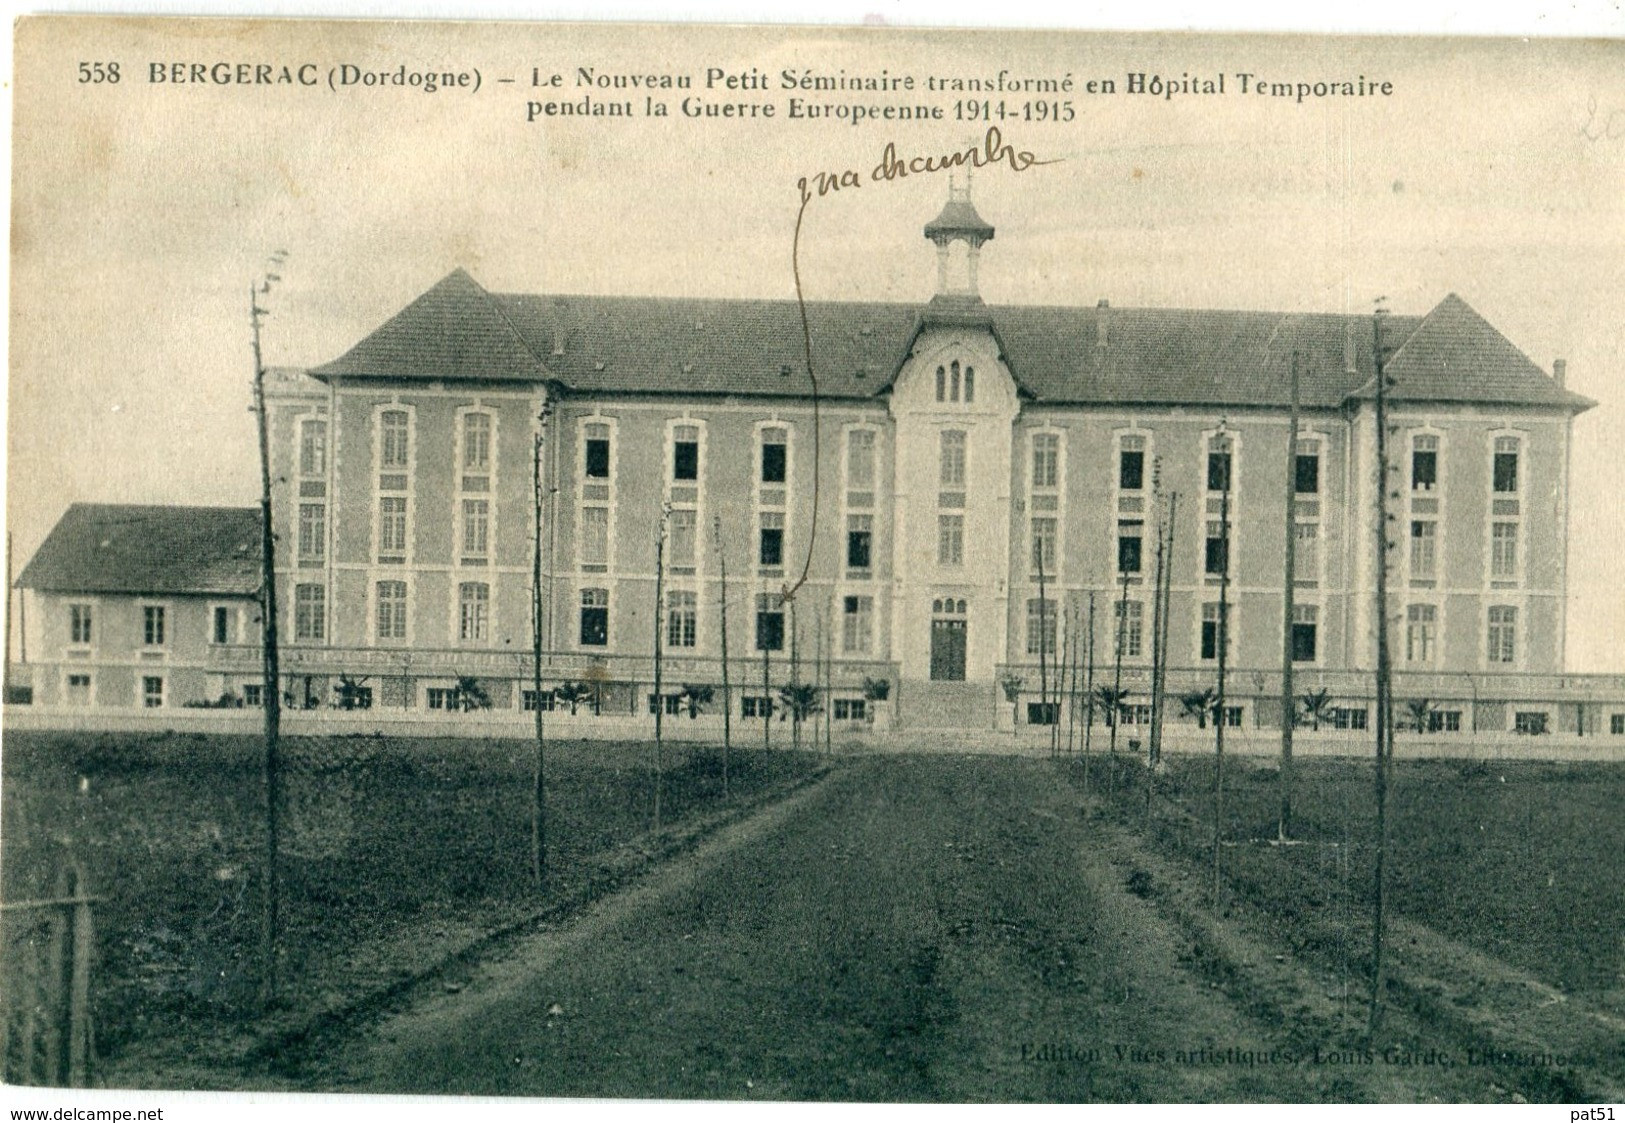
(572, 694)
(1421, 712)
(471, 695)
(538, 810)
(1199, 704)
(1283, 827)
(272, 692)
(1317, 707)
(696, 696)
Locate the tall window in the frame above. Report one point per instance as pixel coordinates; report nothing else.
(860, 459)
(682, 530)
(1043, 551)
(79, 621)
(857, 624)
(310, 612)
(152, 625)
(685, 453)
(473, 611)
(769, 622)
(220, 626)
(950, 540)
(1421, 632)
(1503, 634)
(774, 455)
(771, 553)
(1506, 464)
(950, 379)
(595, 536)
(1218, 464)
(312, 532)
(1306, 556)
(1504, 550)
(476, 527)
(1130, 544)
(682, 618)
(391, 610)
(391, 526)
(1424, 462)
(1130, 618)
(476, 442)
(1306, 469)
(1210, 630)
(594, 617)
(596, 454)
(1216, 558)
(859, 539)
(1046, 459)
(1131, 464)
(393, 451)
(1040, 626)
(952, 445)
(1424, 552)
(1305, 623)
(312, 448)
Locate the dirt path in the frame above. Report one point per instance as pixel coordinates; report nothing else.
(936, 929)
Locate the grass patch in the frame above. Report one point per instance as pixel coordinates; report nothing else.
(395, 852)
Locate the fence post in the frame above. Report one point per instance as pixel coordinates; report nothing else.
(57, 989)
(80, 1049)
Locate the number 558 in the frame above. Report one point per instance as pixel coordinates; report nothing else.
(98, 72)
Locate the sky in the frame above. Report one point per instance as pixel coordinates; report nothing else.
(141, 212)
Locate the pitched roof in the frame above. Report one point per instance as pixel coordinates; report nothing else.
(1455, 355)
(453, 331)
(149, 550)
(613, 344)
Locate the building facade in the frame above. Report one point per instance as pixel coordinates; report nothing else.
(959, 501)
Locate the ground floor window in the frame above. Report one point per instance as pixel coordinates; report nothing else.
(1348, 717)
(1616, 724)
(755, 706)
(253, 694)
(850, 709)
(1444, 721)
(1135, 713)
(152, 691)
(442, 697)
(674, 703)
(79, 689)
(1043, 713)
(528, 701)
(1232, 717)
(1529, 721)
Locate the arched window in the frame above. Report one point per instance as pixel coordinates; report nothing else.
(953, 391)
(942, 384)
(970, 384)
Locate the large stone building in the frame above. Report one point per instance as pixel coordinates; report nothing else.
(945, 492)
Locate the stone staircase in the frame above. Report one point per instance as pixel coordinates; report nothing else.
(957, 706)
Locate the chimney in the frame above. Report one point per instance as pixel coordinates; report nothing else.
(1560, 373)
(1102, 323)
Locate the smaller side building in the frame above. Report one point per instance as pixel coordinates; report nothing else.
(145, 606)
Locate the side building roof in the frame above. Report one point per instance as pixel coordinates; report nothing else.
(149, 550)
(1162, 356)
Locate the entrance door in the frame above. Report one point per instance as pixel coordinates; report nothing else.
(948, 650)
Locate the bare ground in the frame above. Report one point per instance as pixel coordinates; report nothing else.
(942, 929)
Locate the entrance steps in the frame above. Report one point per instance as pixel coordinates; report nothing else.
(926, 705)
